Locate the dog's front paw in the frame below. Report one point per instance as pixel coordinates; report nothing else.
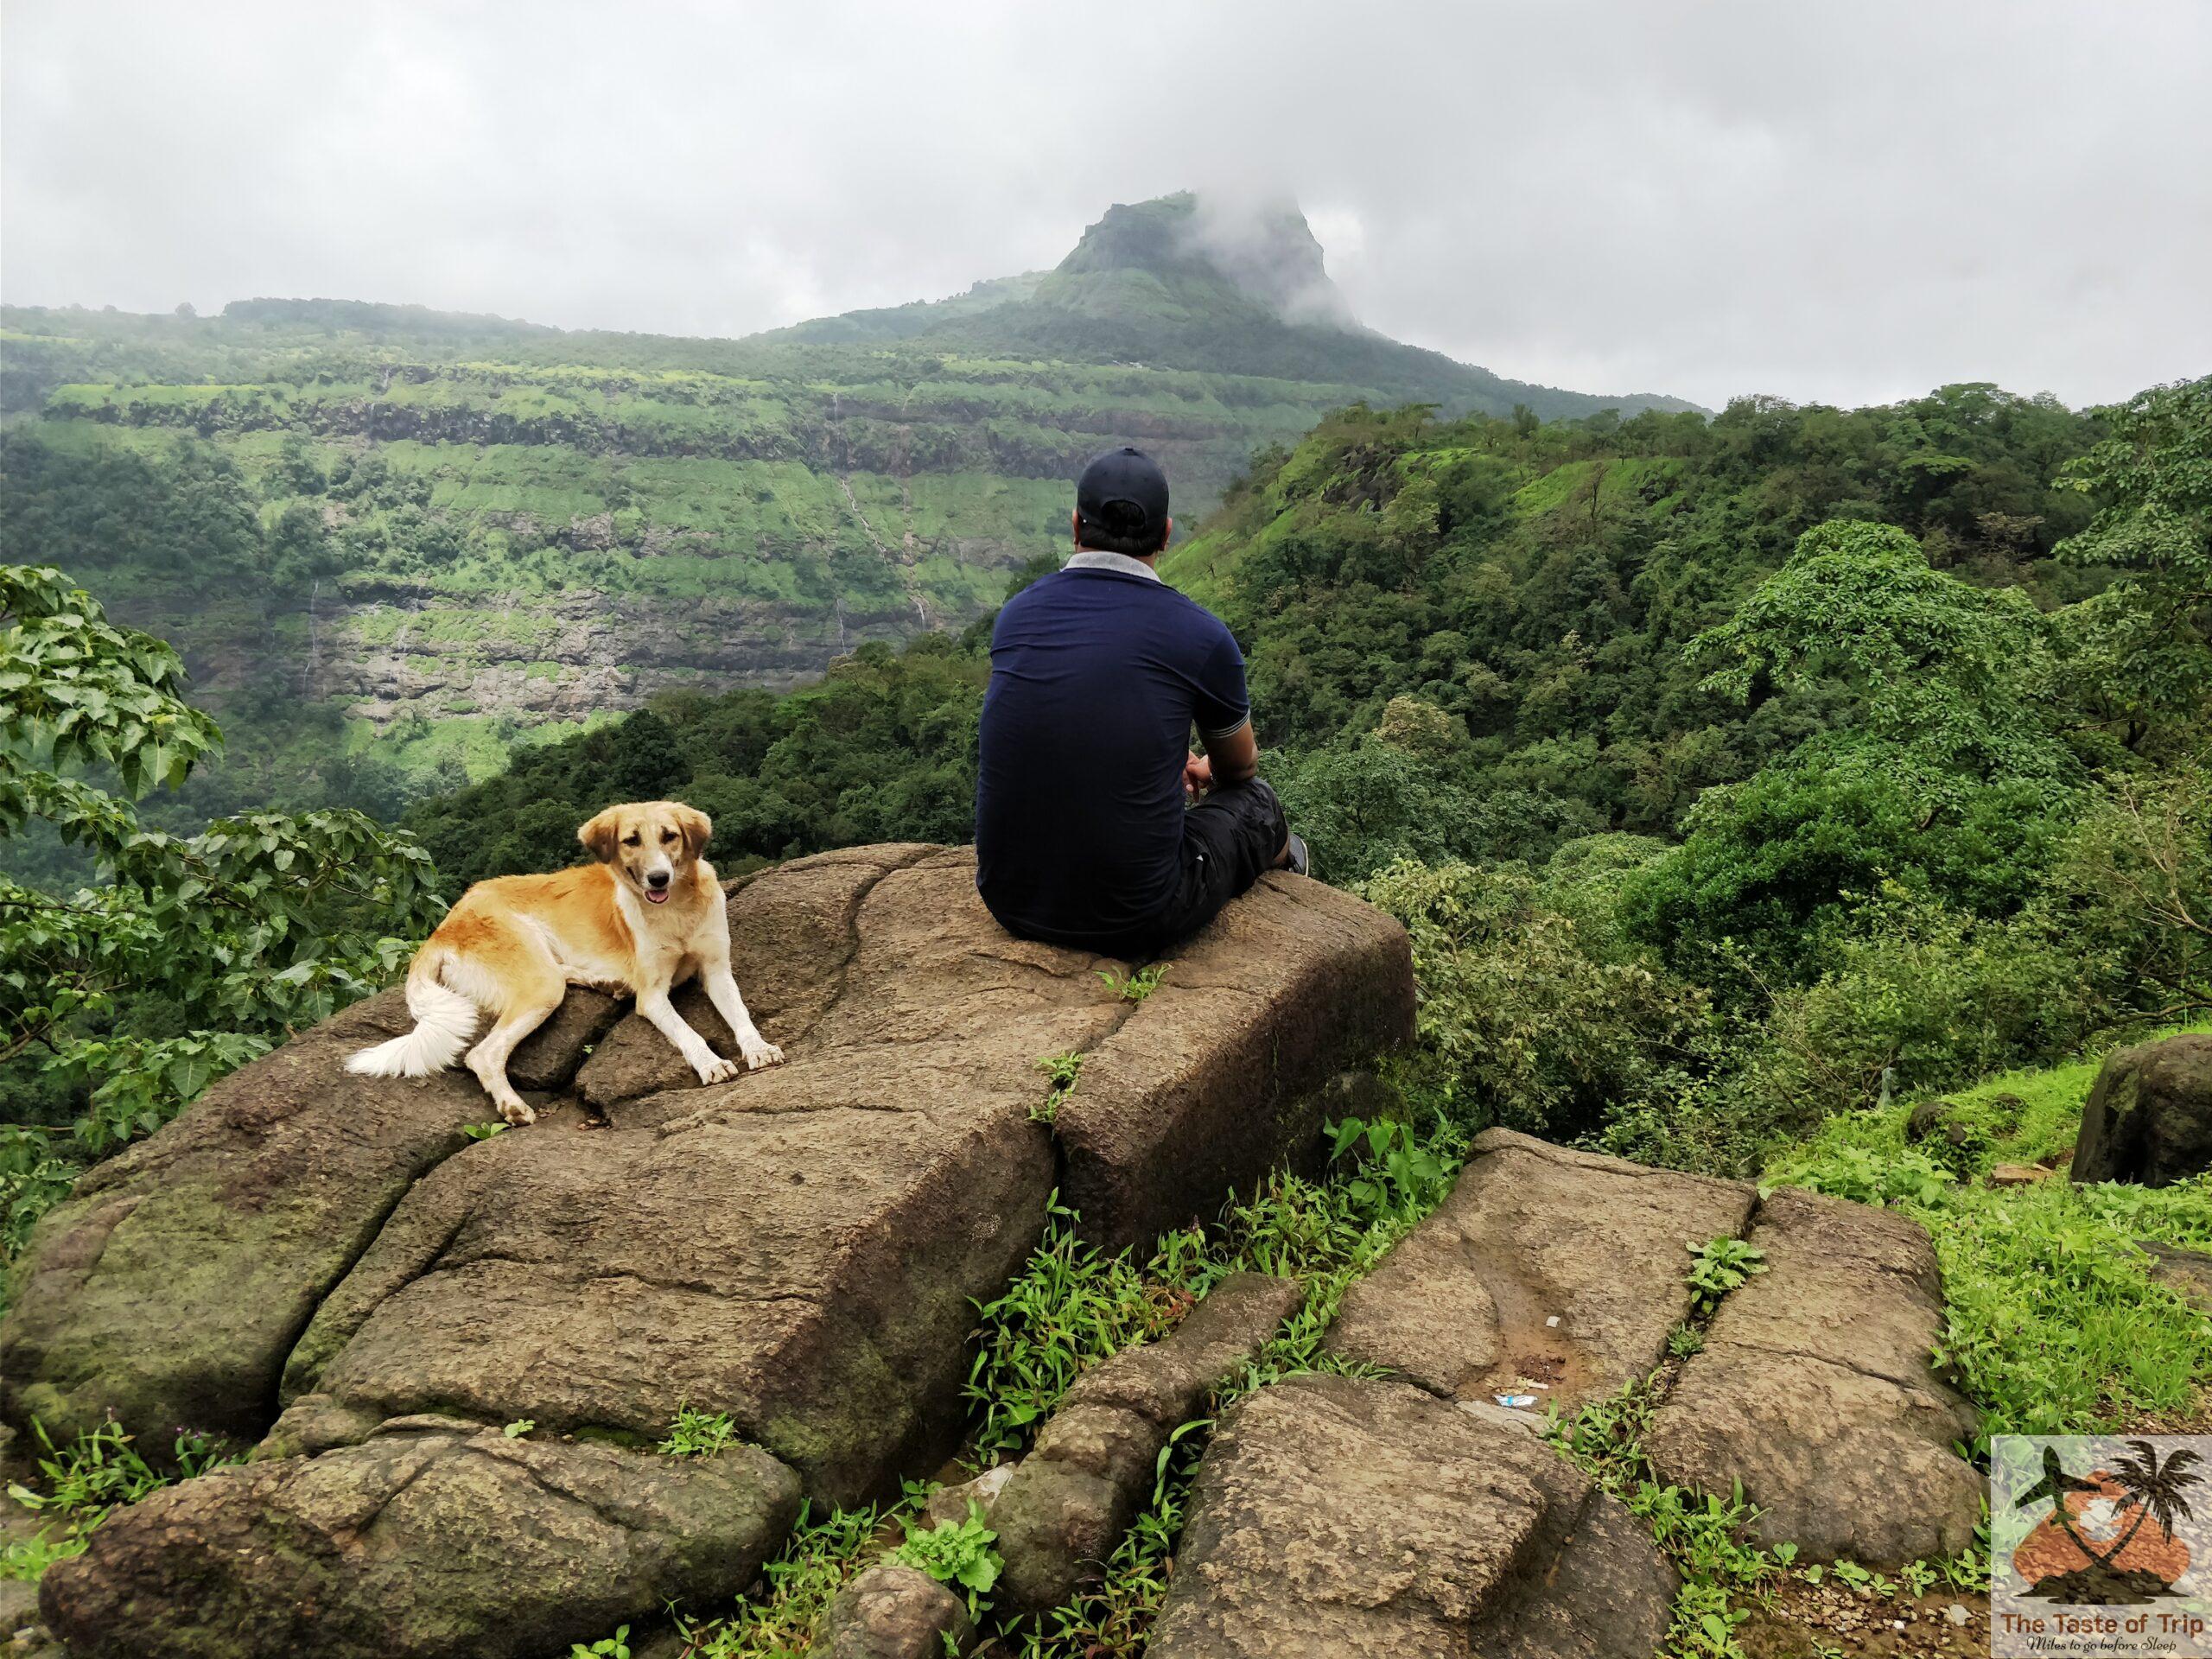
(718, 1069)
(518, 1112)
(763, 1054)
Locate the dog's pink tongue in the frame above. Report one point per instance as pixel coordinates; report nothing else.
(660, 898)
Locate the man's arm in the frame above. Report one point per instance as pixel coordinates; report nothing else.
(1233, 758)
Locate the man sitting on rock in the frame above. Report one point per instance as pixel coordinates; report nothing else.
(1098, 673)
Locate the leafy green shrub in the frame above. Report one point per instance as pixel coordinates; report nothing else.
(1922, 996)
(1519, 1023)
(2054, 1323)
(196, 953)
(1719, 1266)
(696, 1433)
(956, 1552)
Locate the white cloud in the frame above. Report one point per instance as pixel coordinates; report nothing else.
(1838, 203)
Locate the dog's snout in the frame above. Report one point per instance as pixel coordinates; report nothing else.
(657, 879)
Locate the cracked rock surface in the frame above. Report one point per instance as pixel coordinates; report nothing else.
(800, 1248)
(433, 1538)
(1544, 1267)
(1814, 1389)
(1064, 1507)
(1336, 1516)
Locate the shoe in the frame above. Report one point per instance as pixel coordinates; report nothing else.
(1301, 863)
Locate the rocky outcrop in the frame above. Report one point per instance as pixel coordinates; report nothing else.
(1816, 1390)
(891, 1611)
(799, 1248)
(1335, 1516)
(169, 1288)
(433, 1538)
(2149, 1117)
(1067, 1504)
(1547, 1271)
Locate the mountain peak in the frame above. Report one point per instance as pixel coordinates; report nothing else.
(1262, 248)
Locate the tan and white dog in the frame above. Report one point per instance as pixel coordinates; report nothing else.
(642, 920)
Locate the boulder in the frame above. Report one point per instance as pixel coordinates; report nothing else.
(1066, 1505)
(2188, 1274)
(1544, 1265)
(1816, 1390)
(800, 1248)
(1264, 1005)
(166, 1291)
(434, 1539)
(1336, 1516)
(2149, 1117)
(891, 1611)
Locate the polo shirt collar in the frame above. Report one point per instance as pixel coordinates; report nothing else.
(1120, 563)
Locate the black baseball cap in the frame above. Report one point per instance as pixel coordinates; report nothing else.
(1124, 492)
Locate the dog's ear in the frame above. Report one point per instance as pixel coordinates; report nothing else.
(698, 828)
(600, 835)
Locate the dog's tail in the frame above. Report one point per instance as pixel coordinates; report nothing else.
(445, 1021)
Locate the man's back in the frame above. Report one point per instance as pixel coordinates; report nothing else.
(1097, 674)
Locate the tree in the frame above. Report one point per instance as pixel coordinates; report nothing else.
(199, 952)
(2146, 643)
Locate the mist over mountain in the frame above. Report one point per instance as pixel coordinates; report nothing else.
(1216, 282)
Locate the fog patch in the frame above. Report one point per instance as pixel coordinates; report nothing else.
(1264, 246)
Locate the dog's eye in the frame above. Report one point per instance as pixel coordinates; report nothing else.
(668, 835)
(633, 839)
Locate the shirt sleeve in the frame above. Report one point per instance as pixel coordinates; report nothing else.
(1224, 704)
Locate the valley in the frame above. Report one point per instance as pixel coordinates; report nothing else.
(444, 536)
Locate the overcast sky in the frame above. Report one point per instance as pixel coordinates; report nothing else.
(1844, 202)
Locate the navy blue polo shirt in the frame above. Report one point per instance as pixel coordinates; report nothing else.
(1098, 673)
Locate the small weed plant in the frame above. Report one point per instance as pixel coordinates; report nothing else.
(520, 1427)
(956, 1553)
(1719, 1266)
(82, 1483)
(616, 1646)
(806, 1574)
(1060, 1071)
(1396, 1171)
(1135, 986)
(697, 1433)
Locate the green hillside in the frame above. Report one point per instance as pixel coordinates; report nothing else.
(394, 543)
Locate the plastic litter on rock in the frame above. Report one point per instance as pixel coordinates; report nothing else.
(1516, 1401)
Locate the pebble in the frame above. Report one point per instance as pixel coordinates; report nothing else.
(1957, 1613)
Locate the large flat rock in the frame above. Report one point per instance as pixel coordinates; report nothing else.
(168, 1289)
(1252, 1016)
(1814, 1389)
(1566, 1269)
(800, 1248)
(434, 1539)
(1335, 1519)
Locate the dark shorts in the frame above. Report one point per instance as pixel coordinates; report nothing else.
(1230, 839)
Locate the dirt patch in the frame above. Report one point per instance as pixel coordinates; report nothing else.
(1810, 1619)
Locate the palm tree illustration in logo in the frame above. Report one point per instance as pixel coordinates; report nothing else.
(2153, 1489)
(2091, 1546)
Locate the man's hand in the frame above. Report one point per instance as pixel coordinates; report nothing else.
(1197, 776)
